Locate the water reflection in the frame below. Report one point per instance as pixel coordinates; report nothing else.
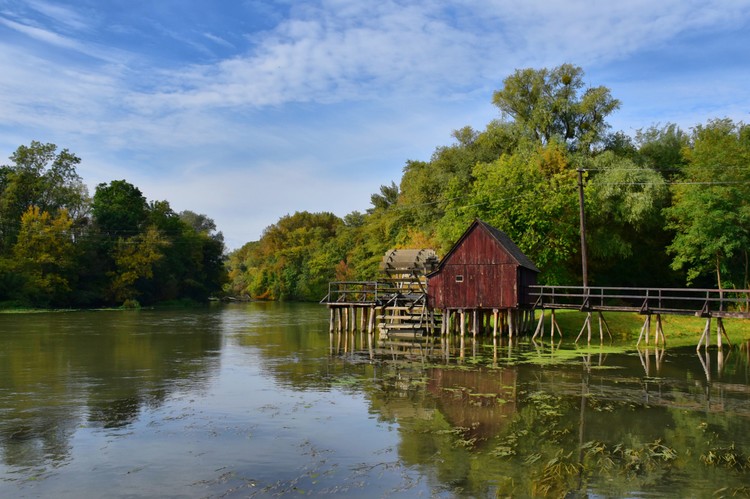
(260, 400)
(61, 371)
(514, 407)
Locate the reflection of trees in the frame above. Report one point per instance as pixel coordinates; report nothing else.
(613, 424)
(60, 370)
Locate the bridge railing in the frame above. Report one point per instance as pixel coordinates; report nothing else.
(688, 301)
(356, 292)
(370, 292)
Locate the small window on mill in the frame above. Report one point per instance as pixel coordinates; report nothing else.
(459, 278)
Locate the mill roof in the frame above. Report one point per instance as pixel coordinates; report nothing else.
(500, 237)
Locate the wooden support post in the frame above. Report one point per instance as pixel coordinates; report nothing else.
(720, 331)
(554, 326)
(362, 315)
(331, 321)
(371, 321)
(586, 324)
(475, 317)
(529, 323)
(495, 318)
(539, 327)
(529, 320)
(706, 334)
(606, 326)
(511, 315)
(462, 316)
(659, 331)
(645, 328)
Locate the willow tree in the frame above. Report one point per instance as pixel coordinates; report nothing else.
(625, 221)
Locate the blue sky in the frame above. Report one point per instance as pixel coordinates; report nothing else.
(249, 110)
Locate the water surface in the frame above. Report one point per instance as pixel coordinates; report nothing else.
(258, 400)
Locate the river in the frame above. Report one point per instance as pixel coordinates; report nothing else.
(258, 400)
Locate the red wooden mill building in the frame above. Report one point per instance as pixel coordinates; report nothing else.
(484, 273)
(482, 283)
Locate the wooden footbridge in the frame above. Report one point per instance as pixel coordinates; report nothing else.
(706, 303)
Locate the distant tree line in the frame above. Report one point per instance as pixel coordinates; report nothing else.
(59, 247)
(664, 207)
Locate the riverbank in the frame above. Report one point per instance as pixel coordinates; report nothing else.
(679, 330)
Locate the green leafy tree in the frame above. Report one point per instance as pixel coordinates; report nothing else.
(662, 148)
(201, 224)
(294, 259)
(43, 177)
(427, 188)
(119, 209)
(625, 223)
(193, 266)
(530, 195)
(134, 263)
(45, 256)
(554, 104)
(711, 205)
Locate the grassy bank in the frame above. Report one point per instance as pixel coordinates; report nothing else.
(679, 330)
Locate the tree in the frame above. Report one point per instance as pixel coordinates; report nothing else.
(549, 104)
(42, 177)
(531, 196)
(662, 148)
(119, 209)
(625, 222)
(134, 261)
(193, 265)
(201, 224)
(294, 259)
(711, 206)
(387, 197)
(45, 256)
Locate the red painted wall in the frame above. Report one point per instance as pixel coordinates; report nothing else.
(490, 275)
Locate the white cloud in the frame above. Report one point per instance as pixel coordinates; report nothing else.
(62, 15)
(328, 104)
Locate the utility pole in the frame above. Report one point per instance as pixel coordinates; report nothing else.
(584, 257)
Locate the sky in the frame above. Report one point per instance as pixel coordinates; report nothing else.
(249, 110)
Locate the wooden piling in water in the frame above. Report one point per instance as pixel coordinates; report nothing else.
(495, 317)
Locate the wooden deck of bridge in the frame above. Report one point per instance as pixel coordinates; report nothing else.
(707, 303)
